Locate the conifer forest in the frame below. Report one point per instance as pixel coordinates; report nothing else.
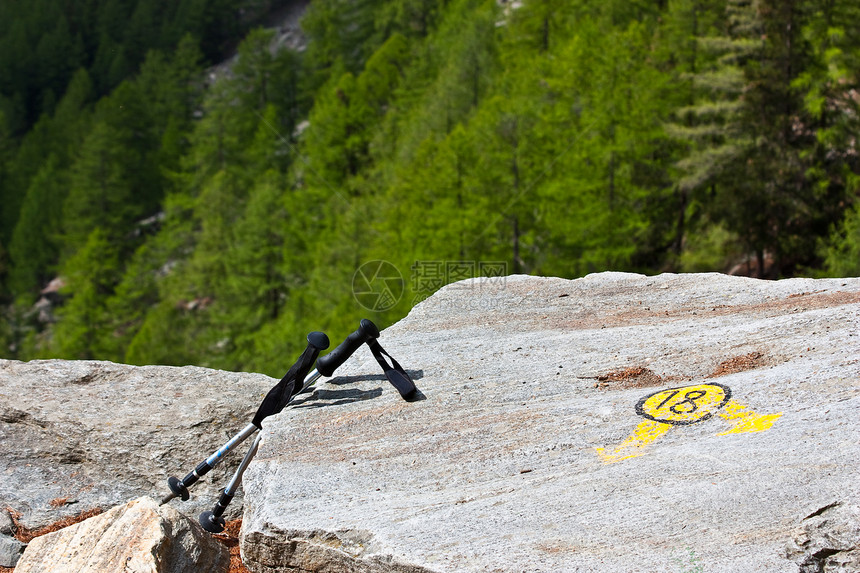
(158, 209)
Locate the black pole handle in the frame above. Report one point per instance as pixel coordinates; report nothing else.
(279, 396)
(332, 361)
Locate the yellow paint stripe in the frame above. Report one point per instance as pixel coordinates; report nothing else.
(645, 433)
(745, 420)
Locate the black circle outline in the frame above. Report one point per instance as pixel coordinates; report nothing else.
(641, 403)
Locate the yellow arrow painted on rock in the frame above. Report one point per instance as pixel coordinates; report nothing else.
(681, 407)
(745, 420)
(646, 432)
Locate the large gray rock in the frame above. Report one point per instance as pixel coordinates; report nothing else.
(10, 550)
(138, 537)
(540, 445)
(81, 434)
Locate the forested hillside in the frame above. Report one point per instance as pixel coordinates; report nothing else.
(218, 224)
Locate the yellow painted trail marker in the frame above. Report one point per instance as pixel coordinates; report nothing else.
(745, 420)
(681, 407)
(645, 433)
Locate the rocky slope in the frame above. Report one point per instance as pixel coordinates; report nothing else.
(83, 434)
(616, 422)
(613, 423)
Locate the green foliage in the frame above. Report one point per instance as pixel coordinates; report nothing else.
(755, 129)
(100, 187)
(43, 43)
(215, 225)
(92, 274)
(710, 248)
(842, 257)
(5, 199)
(33, 248)
(343, 31)
(147, 306)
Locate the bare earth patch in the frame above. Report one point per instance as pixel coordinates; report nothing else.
(25, 535)
(633, 377)
(739, 364)
(640, 377)
(230, 538)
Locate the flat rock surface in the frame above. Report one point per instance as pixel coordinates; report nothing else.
(83, 434)
(616, 422)
(138, 537)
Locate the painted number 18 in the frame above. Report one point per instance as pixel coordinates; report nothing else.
(686, 405)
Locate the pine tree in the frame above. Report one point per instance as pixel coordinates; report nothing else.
(173, 90)
(34, 233)
(92, 274)
(599, 177)
(141, 33)
(715, 124)
(685, 55)
(163, 339)
(33, 248)
(137, 294)
(828, 86)
(6, 190)
(57, 59)
(27, 159)
(150, 305)
(254, 70)
(470, 66)
(336, 141)
(342, 35)
(408, 17)
(756, 159)
(100, 188)
(255, 289)
(842, 256)
(19, 84)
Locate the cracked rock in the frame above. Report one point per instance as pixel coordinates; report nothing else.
(140, 536)
(10, 551)
(828, 540)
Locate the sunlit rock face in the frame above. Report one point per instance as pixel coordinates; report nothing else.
(617, 422)
(79, 435)
(138, 537)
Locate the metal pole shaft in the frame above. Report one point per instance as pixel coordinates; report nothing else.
(310, 379)
(213, 460)
(213, 521)
(180, 487)
(237, 477)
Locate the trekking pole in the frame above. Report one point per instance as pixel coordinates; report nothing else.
(212, 521)
(275, 401)
(179, 488)
(326, 365)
